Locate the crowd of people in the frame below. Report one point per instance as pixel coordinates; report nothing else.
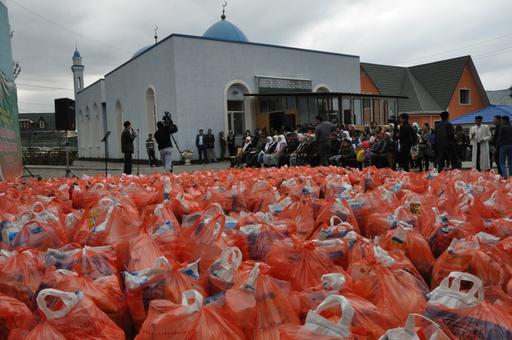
(398, 145)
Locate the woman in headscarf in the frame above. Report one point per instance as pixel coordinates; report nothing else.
(280, 147)
(268, 154)
(240, 158)
(264, 150)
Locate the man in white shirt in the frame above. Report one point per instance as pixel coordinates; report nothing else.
(201, 147)
(480, 135)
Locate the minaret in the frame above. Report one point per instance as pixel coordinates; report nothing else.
(78, 72)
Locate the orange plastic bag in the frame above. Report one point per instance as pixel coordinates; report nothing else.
(383, 280)
(188, 321)
(307, 299)
(161, 281)
(468, 256)
(302, 263)
(321, 327)
(144, 251)
(110, 222)
(301, 213)
(340, 209)
(221, 272)
(336, 229)
(408, 240)
(424, 329)
(105, 292)
(14, 314)
(273, 307)
(93, 262)
(74, 317)
(465, 312)
(20, 276)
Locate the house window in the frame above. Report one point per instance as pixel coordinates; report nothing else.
(464, 97)
(42, 124)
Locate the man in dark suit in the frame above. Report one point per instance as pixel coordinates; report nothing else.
(407, 138)
(127, 138)
(445, 143)
(210, 146)
(201, 144)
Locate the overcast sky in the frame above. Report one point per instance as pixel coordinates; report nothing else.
(396, 32)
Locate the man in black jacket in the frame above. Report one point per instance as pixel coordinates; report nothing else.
(163, 138)
(494, 142)
(504, 144)
(210, 146)
(407, 138)
(127, 138)
(445, 143)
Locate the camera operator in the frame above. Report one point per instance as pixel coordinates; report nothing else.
(165, 128)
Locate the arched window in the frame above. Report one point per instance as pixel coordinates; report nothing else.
(236, 108)
(150, 110)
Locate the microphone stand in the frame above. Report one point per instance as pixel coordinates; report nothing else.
(105, 150)
(138, 153)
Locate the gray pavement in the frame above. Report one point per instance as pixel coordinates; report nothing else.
(91, 168)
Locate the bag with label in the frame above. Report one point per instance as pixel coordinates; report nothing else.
(190, 320)
(240, 304)
(221, 272)
(465, 312)
(93, 262)
(336, 229)
(161, 281)
(408, 240)
(73, 316)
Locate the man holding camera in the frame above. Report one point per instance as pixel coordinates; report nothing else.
(165, 128)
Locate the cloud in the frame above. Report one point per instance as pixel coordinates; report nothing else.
(397, 32)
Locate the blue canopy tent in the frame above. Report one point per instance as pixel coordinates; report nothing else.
(487, 113)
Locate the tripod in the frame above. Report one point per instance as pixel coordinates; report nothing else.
(104, 140)
(69, 173)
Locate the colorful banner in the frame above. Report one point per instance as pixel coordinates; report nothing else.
(11, 165)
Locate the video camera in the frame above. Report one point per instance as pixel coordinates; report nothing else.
(167, 119)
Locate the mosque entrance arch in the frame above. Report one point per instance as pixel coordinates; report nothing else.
(236, 109)
(150, 110)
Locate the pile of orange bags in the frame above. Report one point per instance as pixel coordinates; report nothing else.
(289, 253)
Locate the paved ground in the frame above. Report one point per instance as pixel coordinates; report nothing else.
(91, 168)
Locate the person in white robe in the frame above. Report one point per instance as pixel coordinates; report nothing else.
(480, 135)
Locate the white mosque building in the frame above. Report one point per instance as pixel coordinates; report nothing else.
(220, 80)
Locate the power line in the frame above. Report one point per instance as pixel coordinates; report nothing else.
(493, 53)
(65, 27)
(43, 87)
(463, 47)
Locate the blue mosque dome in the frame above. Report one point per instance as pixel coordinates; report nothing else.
(142, 50)
(225, 30)
(76, 54)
